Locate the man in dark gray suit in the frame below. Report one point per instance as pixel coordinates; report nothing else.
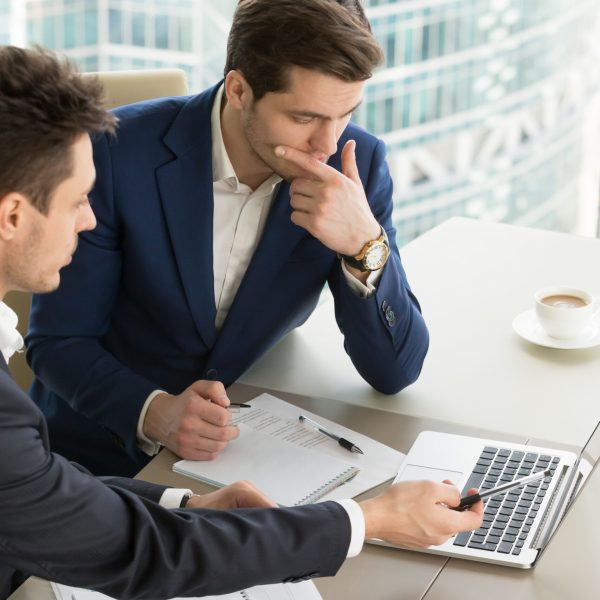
(128, 538)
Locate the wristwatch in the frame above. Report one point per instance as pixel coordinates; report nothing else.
(185, 499)
(372, 256)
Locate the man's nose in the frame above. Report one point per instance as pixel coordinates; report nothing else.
(87, 220)
(325, 137)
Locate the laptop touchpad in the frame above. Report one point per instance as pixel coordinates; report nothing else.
(412, 472)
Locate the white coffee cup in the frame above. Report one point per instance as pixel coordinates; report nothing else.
(564, 312)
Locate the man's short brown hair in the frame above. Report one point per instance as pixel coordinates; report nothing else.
(44, 107)
(330, 36)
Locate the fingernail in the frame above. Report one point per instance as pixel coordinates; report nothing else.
(279, 151)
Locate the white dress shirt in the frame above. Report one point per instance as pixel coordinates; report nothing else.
(11, 340)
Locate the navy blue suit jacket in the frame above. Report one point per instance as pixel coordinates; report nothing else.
(135, 311)
(61, 523)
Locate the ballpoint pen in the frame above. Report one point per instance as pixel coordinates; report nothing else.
(509, 485)
(344, 443)
(235, 407)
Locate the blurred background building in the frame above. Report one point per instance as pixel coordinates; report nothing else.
(489, 108)
(110, 35)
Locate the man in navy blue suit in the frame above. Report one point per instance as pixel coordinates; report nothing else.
(114, 534)
(221, 217)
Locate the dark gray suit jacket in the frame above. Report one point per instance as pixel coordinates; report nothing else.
(61, 523)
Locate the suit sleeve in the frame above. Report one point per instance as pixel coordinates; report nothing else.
(65, 348)
(62, 524)
(385, 334)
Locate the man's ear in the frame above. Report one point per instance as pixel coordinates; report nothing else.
(238, 90)
(12, 214)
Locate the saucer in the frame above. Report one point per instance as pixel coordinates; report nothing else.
(529, 328)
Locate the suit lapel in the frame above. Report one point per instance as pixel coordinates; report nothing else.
(186, 190)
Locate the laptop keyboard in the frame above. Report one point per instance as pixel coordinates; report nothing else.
(508, 517)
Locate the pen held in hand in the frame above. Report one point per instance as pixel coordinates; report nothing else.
(344, 443)
(509, 485)
(237, 406)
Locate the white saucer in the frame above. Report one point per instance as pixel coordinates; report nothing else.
(529, 328)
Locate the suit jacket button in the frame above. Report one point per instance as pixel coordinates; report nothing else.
(211, 374)
(390, 316)
(384, 306)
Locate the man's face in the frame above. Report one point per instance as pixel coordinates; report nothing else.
(310, 115)
(46, 243)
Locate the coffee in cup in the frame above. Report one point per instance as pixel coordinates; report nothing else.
(564, 312)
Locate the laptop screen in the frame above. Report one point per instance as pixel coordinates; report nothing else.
(586, 462)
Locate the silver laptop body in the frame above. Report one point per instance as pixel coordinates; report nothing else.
(518, 524)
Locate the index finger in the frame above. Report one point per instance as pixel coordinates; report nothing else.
(214, 414)
(305, 161)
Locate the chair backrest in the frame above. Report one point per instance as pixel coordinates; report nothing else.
(122, 87)
(126, 87)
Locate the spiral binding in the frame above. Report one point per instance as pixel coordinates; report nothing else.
(327, 487)
(245, 595)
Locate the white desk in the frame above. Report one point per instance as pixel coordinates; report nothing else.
(472, 278)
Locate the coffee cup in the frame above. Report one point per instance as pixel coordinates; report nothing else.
(564, 312)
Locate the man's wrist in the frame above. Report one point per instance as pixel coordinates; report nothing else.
(372, 256)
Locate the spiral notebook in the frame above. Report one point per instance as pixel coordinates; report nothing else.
(305, 590)
(289, 474)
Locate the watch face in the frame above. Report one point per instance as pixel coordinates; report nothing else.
(376, 256)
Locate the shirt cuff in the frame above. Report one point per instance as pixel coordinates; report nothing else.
(172, 497)
(357, 286)
(145, 444)
(357, 526)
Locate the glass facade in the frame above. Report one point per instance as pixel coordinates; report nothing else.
(483, 105)
(489, 108)
(136, 34)
(12, 22)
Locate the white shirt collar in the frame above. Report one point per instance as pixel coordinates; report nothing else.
(10, 339)
(222, 169)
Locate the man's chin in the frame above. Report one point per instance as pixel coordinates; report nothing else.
(45, 287)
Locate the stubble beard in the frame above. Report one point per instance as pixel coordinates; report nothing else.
(261, 150)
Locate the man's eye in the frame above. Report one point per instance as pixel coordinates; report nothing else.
(303, 120)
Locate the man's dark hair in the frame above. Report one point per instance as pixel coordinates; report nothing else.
(44, 107)
(330, 36)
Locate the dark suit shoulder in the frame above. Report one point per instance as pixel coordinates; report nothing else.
(135, 118)
(16, 407)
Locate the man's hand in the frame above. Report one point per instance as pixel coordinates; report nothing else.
(417, 514)
(241, 494)
(330, 205)
(194, 424)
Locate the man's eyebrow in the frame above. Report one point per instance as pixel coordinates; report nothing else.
(90, 188)
(308, 113)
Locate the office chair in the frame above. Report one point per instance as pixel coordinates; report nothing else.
(122, 87)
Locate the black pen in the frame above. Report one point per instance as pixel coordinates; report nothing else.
(344, 443)
(509, 485)
(235, 407)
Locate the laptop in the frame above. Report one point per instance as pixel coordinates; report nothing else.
(518, 524)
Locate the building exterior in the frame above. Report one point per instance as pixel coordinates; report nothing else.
(12, 22)
(485, 107)
(107, 35)
(489, 108)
